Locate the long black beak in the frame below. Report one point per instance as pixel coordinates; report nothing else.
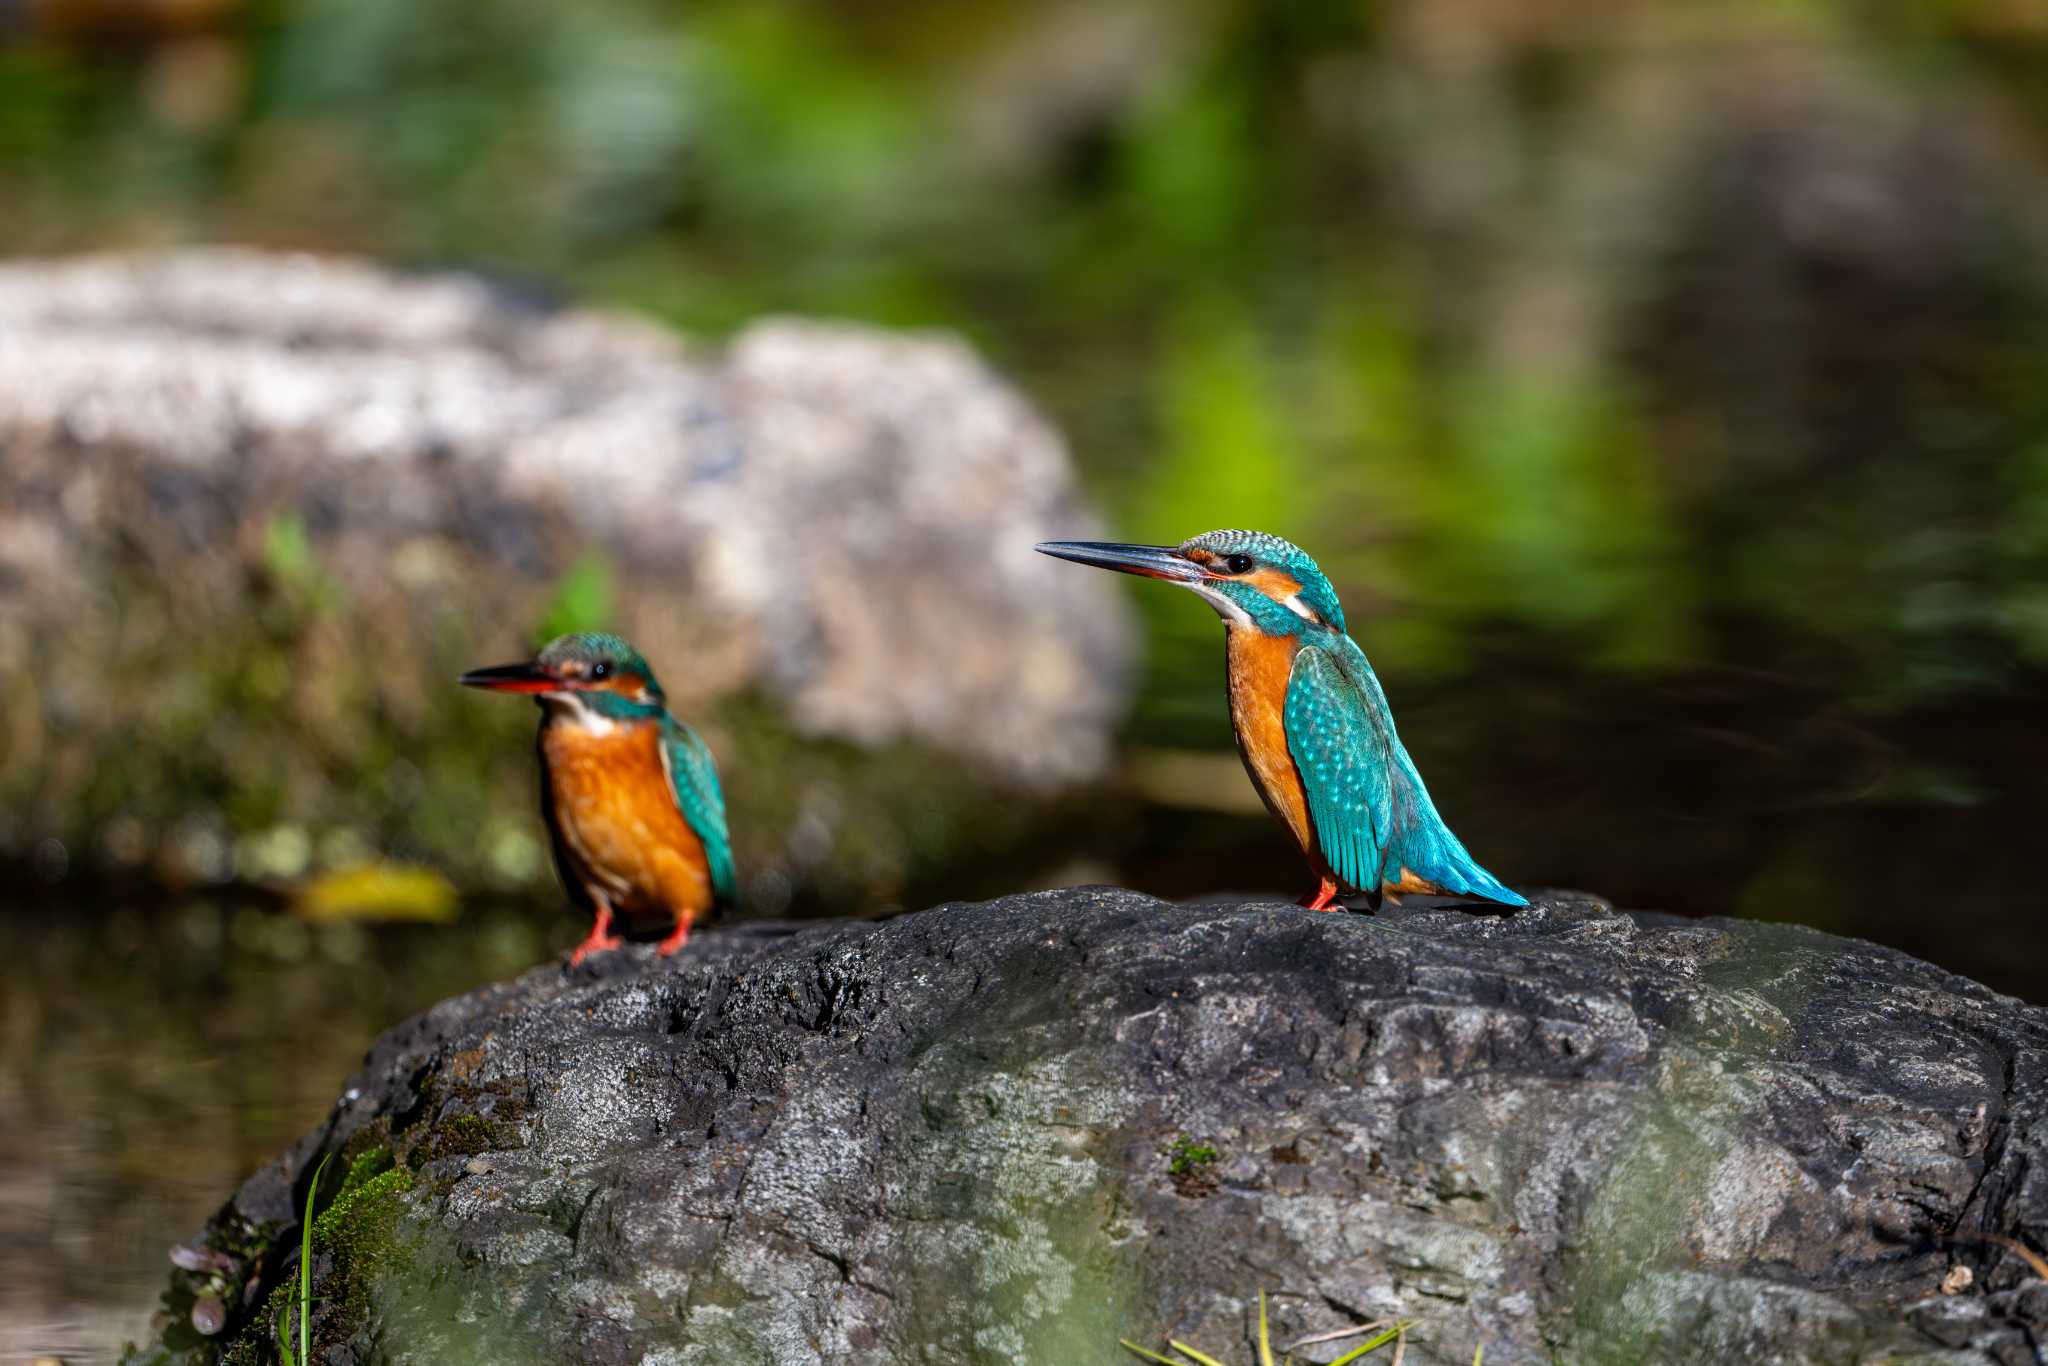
(528, 677)
(1150, 561)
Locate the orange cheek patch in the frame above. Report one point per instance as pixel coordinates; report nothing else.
(1274, 583)
(626, 685)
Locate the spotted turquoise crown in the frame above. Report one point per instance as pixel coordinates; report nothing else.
(1287, 557)
(593, 647)
(601, 647)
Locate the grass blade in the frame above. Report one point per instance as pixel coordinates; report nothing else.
(306, 1265)
(1130, 1346)
(1479, 1355)
(1199, 1358)
(1336, 1334)
(284, 1337)
(1372, 1344)
(1265, 1341)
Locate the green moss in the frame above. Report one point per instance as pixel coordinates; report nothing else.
(357, 1235)
(368, 1163)
(1190, 1165)
(1189, 1157)
(459, 1135)
(338, 1226)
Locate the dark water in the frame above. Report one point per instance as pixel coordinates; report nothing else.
(152, 1055)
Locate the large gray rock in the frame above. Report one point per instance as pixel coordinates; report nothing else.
(1015, 1131)
(254, 508)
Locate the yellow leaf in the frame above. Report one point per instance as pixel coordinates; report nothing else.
(378, 891)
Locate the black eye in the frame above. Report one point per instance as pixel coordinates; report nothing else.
(1239, 564)
(600, 670)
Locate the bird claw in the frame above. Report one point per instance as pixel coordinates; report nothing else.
(675, 940)
(596, 943)
(600, 937)
(1323, 898)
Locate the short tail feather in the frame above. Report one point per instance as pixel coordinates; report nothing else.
(1442, 860)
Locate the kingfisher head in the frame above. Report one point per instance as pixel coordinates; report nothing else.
(590, 677)
(1250, 578)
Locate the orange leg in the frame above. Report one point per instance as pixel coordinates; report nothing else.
(600, 937)
(1324, 897)
(676, 937)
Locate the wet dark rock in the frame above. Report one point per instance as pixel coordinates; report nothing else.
(1015, 1131)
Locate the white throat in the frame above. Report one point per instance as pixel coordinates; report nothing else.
(569, 708)
(1232, 614)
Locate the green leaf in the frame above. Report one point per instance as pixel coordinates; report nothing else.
(290, 559)
(288, 550)
(1265, 1339)
(1201, 1359)
(1125, 1343)
(582, 601)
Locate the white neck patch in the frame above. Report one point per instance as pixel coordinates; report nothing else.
(570, 708)
(1231, 613)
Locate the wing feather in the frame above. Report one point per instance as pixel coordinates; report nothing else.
(693, 781)
(1342, 756)
(1411, 834)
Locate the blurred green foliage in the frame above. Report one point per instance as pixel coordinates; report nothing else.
(1348, 270)
(583, 600)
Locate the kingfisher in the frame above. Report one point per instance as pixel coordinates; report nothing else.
(630, 794)
(1312, 721)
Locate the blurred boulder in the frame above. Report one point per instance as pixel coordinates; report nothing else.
(1019, 1130)
(255, 508)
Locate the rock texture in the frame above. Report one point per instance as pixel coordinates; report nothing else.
(1018, 1130)
(327, 471)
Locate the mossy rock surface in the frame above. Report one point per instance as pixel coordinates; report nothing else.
(1018, 1130)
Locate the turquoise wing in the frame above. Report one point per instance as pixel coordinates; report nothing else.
(1340, 751)
(693, 779)
(1373, 816)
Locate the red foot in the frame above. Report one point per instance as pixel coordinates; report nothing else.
(1324, 897)
(677, 937)
(600, 937)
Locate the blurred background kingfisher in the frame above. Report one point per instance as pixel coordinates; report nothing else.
(630, 794)
(1312, 723)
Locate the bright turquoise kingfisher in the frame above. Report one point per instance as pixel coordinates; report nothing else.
(1312, 723)
(629, 793)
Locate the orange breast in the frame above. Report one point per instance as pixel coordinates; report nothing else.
(1259, 669)
(620, 822)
